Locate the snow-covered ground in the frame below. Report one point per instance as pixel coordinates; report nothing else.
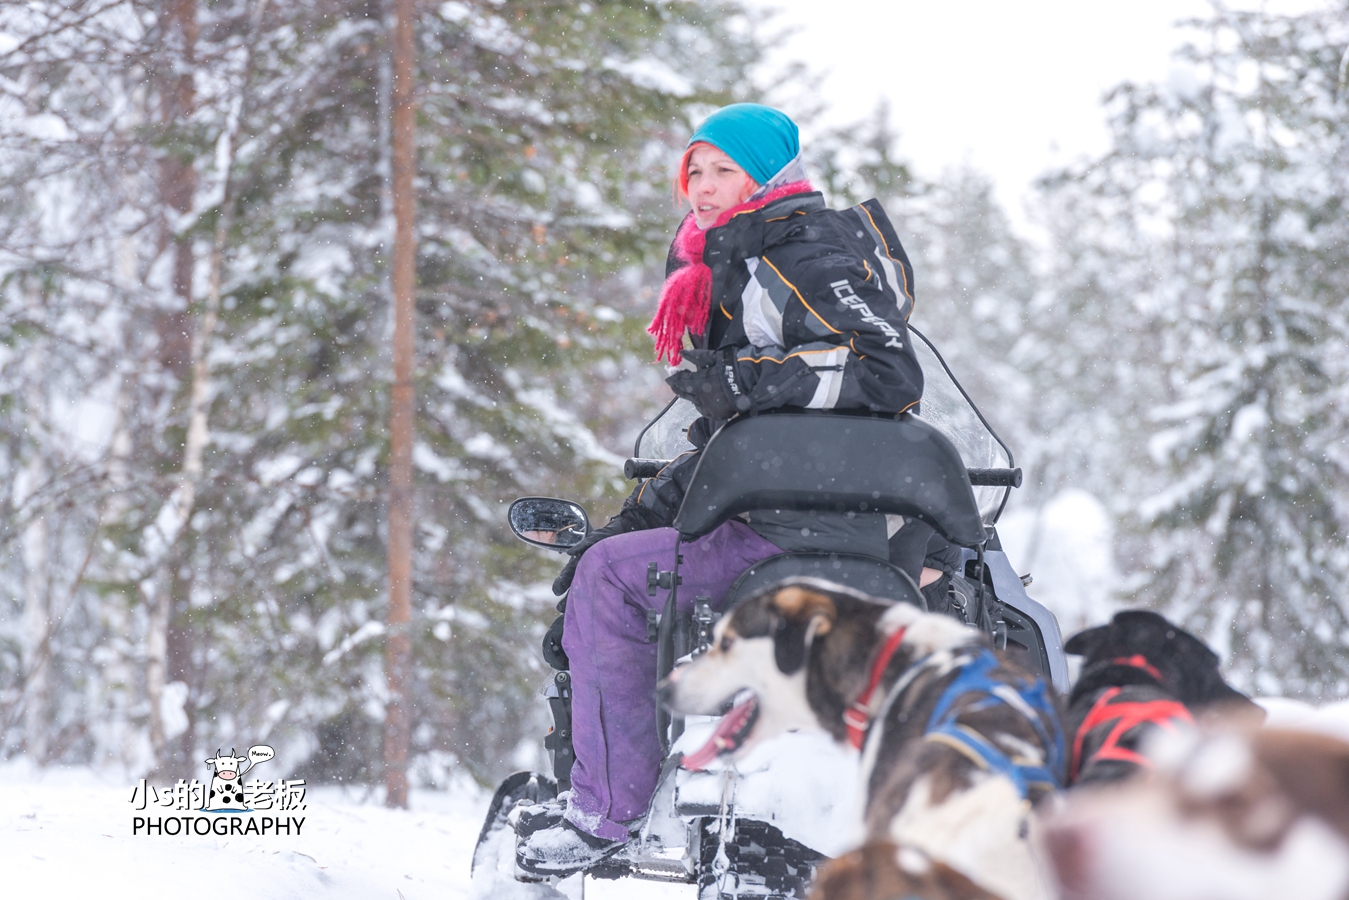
(68, 833)
(1331, 718)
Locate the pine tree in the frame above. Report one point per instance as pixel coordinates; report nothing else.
(546, 130)
(1241, 177)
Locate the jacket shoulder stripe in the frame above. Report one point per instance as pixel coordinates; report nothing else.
(899, 285)
(821, 318)
(763, 310)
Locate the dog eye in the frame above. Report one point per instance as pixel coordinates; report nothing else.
(726, 643)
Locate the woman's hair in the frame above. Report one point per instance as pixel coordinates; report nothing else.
(681, 181)
(760, 139)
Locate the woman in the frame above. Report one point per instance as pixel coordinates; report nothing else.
(785, 303)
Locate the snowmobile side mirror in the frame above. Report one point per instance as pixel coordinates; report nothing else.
(548, 522)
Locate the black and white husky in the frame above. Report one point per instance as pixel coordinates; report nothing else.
(957, 741)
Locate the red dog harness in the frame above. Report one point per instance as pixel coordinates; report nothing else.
(858, 716)
(1139, 661)
(1126, 716)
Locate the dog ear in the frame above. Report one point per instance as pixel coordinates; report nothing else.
(801, 615)
(1195, 651)
(803, 604)
(1190, 670)
(1086, 643)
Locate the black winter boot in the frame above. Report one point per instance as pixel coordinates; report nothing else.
(548, 844)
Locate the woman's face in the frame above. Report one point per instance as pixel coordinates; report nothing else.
(716, 184)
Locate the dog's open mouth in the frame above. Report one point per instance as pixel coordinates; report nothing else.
(730, 735)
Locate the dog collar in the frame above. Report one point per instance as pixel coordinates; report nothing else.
(858, 716)
(1138, 661)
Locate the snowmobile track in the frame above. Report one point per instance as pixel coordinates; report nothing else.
(760, 862)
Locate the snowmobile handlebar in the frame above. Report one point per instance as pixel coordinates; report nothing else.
(995, 477)
(637, 467)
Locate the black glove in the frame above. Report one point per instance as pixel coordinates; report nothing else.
(943, 555)
(629, 518)
(553, 654)
(701, 431)
(951, 595)
(713, 385)
(937, 595)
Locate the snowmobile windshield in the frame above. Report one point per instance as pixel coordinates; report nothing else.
(667, 435)
(944, 406)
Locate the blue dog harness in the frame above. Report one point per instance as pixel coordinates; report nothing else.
(1029, 698)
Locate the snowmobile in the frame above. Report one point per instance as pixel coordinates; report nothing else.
(759, 826)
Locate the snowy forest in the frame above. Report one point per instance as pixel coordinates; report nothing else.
(195, 349)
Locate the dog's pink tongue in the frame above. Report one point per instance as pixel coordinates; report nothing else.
(729, 734)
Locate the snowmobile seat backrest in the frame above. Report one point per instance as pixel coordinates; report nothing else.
(828, 462)
(873, 577)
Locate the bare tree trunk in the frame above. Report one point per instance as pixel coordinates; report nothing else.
(398, 649)
(179, 667)
(120, 671)
(155, 652)
(178, 186)
(36, 622)
(174, 646)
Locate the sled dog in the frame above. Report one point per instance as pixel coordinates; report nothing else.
(1140, 674)
(1228, 813)
(881, 869)
(957, 741)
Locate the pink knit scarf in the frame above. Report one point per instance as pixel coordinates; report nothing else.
(686, 298)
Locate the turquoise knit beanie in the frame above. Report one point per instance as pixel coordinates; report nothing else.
(759, 138)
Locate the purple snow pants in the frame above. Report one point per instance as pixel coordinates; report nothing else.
(613, 668)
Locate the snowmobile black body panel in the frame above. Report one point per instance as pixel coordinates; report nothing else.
(1030, 625)
(829, 462)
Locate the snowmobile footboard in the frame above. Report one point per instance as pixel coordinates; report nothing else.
(666, 848)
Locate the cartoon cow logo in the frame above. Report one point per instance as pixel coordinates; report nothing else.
(226, 793)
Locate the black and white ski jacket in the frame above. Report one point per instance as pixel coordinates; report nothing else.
(816, 303)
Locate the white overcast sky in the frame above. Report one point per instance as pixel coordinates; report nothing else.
(1013, 88)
